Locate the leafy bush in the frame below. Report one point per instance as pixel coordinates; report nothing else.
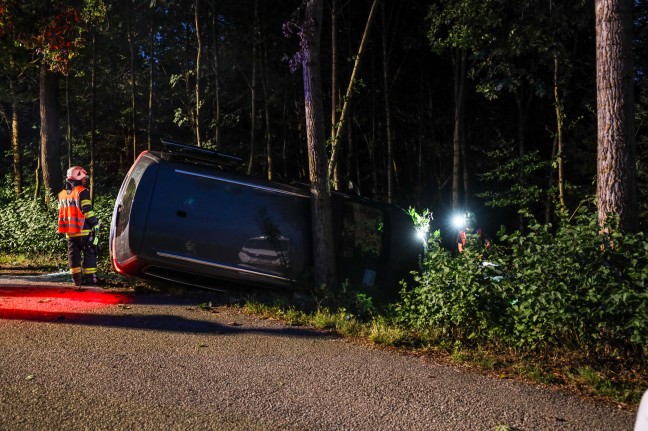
(458, 295)
(28, 227)
(568, 285)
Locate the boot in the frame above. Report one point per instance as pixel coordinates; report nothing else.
(78, 279)
(91, 280)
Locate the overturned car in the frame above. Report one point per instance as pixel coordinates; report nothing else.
(185, 215)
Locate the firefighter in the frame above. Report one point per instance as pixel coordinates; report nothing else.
(78, 222)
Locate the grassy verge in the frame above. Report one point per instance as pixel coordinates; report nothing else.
(21, 262)
(619, 381)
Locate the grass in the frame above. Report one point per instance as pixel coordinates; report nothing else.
(38, 263)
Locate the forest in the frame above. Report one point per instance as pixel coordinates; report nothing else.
(488, 106)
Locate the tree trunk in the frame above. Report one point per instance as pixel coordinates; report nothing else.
(353, 170)
(349, 93)
(559, 136)
(149, 128)
(373, 157)
(50, 134)
(388, 128)
(334, 89)
(69, 126)
(459, 63)
(37, 176)
(616, 169)
(93, 111)
(131, 45)
(217, 102)
(198, 53)
(323, 244)
(15, 147)
(253, 89)
(266, 108)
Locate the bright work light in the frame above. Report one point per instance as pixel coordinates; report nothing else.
(459, 221)
(422, 233)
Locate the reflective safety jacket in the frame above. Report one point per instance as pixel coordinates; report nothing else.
(76, 216)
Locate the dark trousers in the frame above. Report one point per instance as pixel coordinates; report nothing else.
(78, 250)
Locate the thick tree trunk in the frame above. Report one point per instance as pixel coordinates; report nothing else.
(323, 244)
(616, 169)
(50, 134)
(15, 148)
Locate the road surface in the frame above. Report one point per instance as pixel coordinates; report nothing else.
(111, 360)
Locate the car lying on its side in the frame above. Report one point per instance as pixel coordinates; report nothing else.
(185, 215)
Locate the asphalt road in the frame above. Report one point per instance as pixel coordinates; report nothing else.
(108, 360)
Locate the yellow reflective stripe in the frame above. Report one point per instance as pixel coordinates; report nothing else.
(84, 232)
(90, 214)
(75, 270)
(86, 202)
(89, 270)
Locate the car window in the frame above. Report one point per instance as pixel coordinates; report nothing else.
(128, 197)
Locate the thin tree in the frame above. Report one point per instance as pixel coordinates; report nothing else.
(149, 128)
(69, 123)
(388, 125)
(459, 67)
(93, 110)
(217, 98)
(253, 88)
(198, 54)
(338, 125)
(616, 169)
(266, 108)
(130, 16)
(15, 147)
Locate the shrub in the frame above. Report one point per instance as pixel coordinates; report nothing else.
(568, 285)
(28, 227)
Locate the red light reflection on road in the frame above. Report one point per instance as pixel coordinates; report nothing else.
(19, 302)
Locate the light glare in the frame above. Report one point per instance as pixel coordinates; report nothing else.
(459, 221)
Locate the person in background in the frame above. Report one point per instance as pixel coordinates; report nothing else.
(78, 222)
(468, 227)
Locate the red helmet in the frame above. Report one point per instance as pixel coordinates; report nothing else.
(76, 173)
